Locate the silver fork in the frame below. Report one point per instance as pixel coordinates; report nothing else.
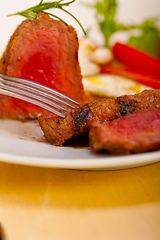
(37, 94)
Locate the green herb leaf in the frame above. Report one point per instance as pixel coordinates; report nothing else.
(106, 21)
(148, 41)
(30, 13)
(106, 18)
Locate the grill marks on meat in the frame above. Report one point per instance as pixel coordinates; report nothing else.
(45, 51)
(134, 133)
(55, 129)
(79, 117)
(126, 107)
(147, 100)
(80, 120)
(76, 122)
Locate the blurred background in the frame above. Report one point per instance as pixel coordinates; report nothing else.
(128, 12)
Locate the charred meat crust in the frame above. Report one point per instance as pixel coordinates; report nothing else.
(146, 100)
(81, 119)
(57, 129)
(126, 107)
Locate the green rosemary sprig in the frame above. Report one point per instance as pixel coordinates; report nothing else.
(31, 13)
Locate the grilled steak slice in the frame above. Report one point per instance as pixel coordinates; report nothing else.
(79, 121)
(45, 51)
(76, 122)
(134, 133)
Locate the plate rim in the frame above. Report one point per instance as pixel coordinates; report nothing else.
(107, 163)
(97, 162)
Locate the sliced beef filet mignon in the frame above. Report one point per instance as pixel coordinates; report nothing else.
(46, 51)
(134, 133)
(80, 120)
(76, 122)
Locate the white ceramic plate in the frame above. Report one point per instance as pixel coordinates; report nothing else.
(24, 143)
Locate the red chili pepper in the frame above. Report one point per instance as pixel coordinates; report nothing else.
(136, 59)
(144, 78)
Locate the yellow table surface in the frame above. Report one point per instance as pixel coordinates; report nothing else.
(57, 204)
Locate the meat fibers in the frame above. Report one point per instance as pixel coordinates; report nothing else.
(45, 51)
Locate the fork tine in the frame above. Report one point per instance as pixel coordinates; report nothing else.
(9, 83)
(14, 90)
(32, 92)
(38, 86)
(27, 99)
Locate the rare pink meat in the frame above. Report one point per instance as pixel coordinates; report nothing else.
(45, 51)
(133, 133)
